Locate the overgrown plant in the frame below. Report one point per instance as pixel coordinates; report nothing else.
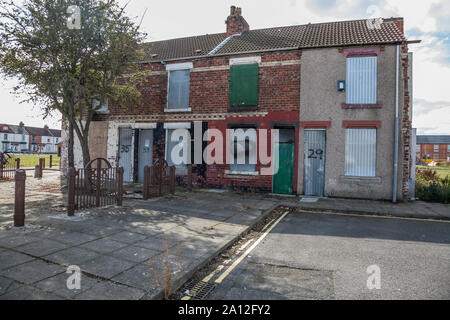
(70, 66)
(168, 266)
(429, 187)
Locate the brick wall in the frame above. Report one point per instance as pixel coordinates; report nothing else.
(278, 99)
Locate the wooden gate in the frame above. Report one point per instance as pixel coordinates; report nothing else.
(97, 185)
(8, 166)
(159, 179)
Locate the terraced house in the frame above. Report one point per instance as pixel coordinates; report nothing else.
(339, 92)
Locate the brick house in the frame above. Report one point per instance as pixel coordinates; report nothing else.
(331, 89)
(433, 147)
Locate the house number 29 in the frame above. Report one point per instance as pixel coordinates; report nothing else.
(315, 153)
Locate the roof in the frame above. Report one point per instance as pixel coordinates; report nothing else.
(331, 34)
(55, 132)
(433, 139)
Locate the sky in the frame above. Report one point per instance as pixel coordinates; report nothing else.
(427, 20)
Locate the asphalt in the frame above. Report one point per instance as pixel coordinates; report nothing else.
(326, 256)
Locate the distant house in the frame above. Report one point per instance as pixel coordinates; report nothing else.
(14, 138)
(44, 140)
(433, 147)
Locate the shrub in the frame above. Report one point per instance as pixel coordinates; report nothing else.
(437, 190)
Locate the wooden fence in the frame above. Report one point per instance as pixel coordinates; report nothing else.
(97, 185)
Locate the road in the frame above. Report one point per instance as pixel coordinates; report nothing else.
(326, 256)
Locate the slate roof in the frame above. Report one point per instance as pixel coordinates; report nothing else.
(331, 34)
(433, 139)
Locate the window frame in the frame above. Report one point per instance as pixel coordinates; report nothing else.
(245, 61)
(348, 170)
(365, 102)
(178, 67)
(237, 168)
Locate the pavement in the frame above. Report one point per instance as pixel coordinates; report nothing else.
(326, 256)
(126, 252)
(410, 209)
(123, 252)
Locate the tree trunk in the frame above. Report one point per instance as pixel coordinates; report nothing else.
(70, 154)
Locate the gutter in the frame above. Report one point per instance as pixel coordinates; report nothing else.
(395, 178)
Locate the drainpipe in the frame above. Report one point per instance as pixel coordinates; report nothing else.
(394, 185)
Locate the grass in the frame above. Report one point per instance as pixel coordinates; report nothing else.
(30, 160)
(433, 168)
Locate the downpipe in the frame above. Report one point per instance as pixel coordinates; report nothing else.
(396, 129)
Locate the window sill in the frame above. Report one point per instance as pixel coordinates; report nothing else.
(361, 106)
(242, 108)
(241, 173)
(178, 110)
(359, 180)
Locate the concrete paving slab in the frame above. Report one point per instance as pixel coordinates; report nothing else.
(135, 254)
(110, 291)
(27, 292)
(141, 276)
(9, 258)
(104, 245)
(128, 237)
(157, 243)
(42, 248)
(75, 238)
(72, 256)
(14, 241)
(106, 266)
(32, 271)
(7, 285)
(58, 285)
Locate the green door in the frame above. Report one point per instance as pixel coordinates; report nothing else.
(283, 180)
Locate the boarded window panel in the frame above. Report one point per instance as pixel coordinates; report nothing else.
(170, 146)
(362, 80)
(360, 152)
(247, 166)
(179, 83)
(244, 85)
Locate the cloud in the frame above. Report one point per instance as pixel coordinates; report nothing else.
(431, 117)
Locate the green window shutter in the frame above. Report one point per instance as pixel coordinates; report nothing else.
(244, 85)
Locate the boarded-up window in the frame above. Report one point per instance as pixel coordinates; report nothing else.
(360, 152)
(171, 145)
(244, 85)
(179, 83)
(244, 151)
(362, 80)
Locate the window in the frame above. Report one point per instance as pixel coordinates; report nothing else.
(178, 87)
(360, 152)
(417, 148)
(244, 85)
(182, 143)
(436, 148)
(361, 80)
(448, 148)
(243, 151)
(5, 137)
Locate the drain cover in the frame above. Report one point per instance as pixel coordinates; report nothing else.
(199, 290)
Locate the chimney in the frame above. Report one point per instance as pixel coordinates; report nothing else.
(235, 22)
(21, 124)
(46, 127)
